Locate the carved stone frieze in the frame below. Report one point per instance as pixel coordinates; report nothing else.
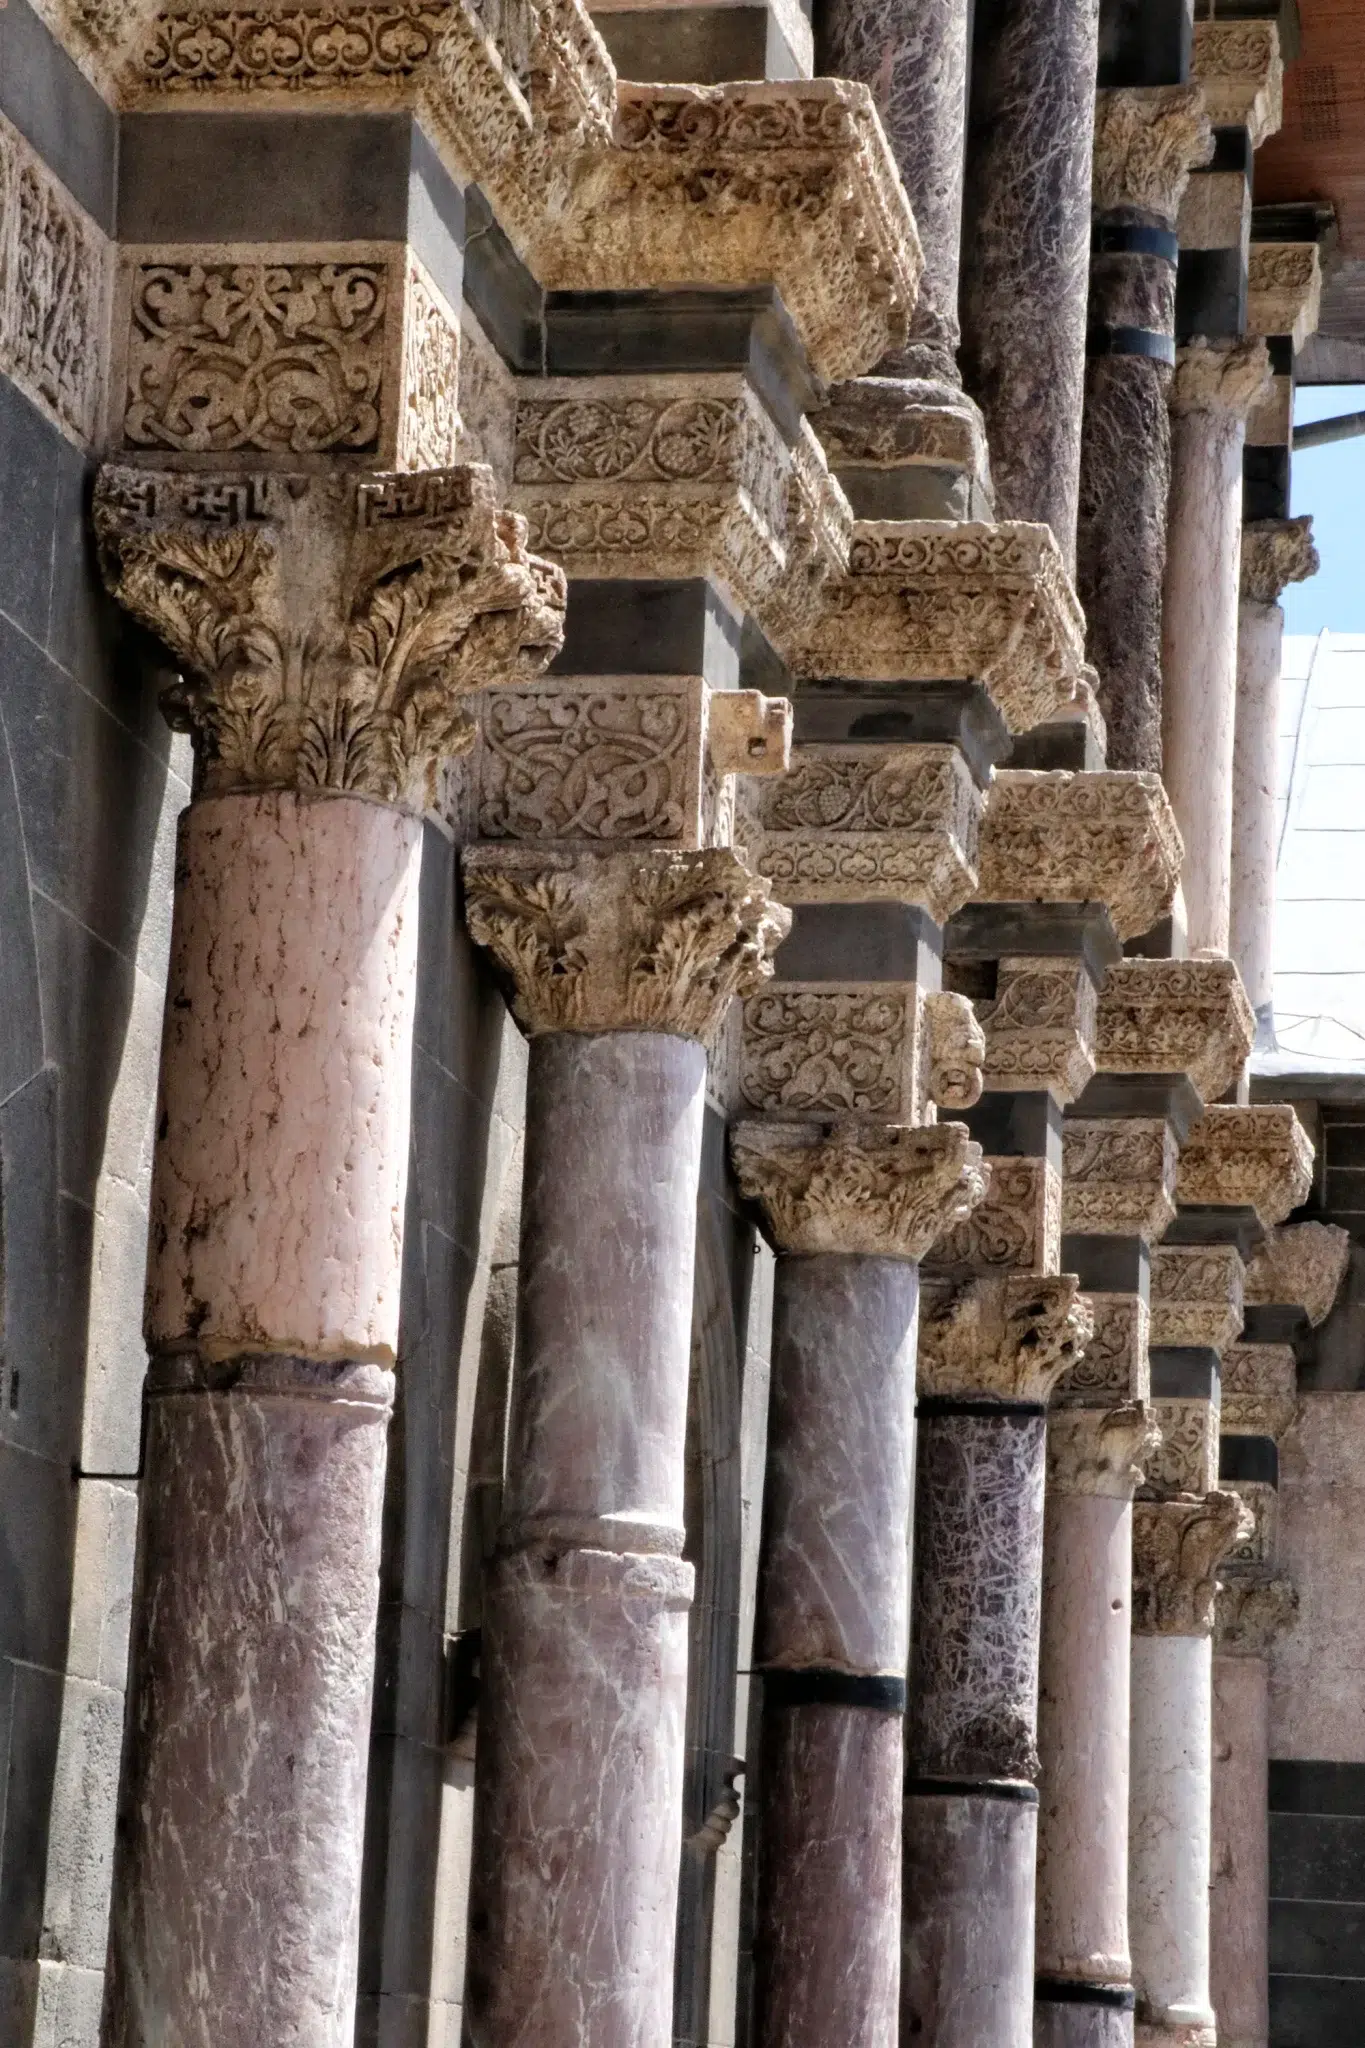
(1099, 1451)
(1239, 66)
(1302, 1264)
(1255, 1550)
(1178, 1546)
(1196, 1294)
(54, 291)
(1252, 1610)
(1118, 1176)
(868, 823)
(1019, 1224)
(1009, 1336)
(1114, 1369)
(1260, 1390)
(1276, 552)
(329, 627)
(1051, 836)
(1185, 1461)
(1175, 1017)
(1254, 1156)
(925, 599)
(1284, 290)
(1040, 1026)
(1147, 141)
(875, 1049)
(875, 1190)
(1230, 377)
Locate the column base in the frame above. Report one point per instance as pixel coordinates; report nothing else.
(967, 1945)
(1075, 2015)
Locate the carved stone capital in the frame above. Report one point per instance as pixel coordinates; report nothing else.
(1099, 1451)
(1018, 1225)
(1254, 1156)
(1239, 66)
(1185, 1460)
(1040, 1026)
(1284, 290)
(881, 1049)
(1229, 377)
(1196, 1294)
(1009, 1336)
(1175, 1017)
(860, 824)
(1118, 1176)
(928, 598)
(1276, 552)
(1051, 836)
(1178, 1546)
(329, 627)
(1114, 1369)
(1147, 141)
(54, 288)
(1250, 1613)
(1260, 1390)
(1301, 1264)
(875, 1190)
(635, 941)
(900, 422)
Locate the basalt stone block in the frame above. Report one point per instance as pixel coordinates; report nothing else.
(1317, 1856)
(1141, 1095)
(653, 626)
(991, 931)
(1022, 1125)
(1185, 1372)
(860, 942)
(1108, 1265)
(956, 713)
(55, 106)
(1145, 42)
(1209, 1225)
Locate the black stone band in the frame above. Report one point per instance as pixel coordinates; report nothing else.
(1067, 1991)
(1116, 238)
(1131, 341)
(931, 1406)
(833, 1689)
(1010, 1791)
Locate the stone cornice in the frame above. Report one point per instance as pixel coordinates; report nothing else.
(1177, 1549)
(889, 1050)
(1276, 552)
(1284, 290)
(1239, 1156)
(1009, 1336)
(1260, 1390)
(55, 274)
(928, 598)
(1017, 1225)
(1175, 1017)
(647, 940)
(1303, 1265)
(1229, 377)
(866, 1189)
(1250, 1613)
(1147, 141)
(1239, 66)
(1118, 1176)
(1196, 1294)
(1052, 836)
(1099, 1451)
(329, 627)
(1114, 1369)
(1040, 1026)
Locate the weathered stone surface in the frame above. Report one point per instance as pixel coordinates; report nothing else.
(1008, 1337)
(1114, 1369)
(1175, 1017)
(1099, 1453)
(875, 429)
(1251, 1613)
(1239, 1156)
(872, 1189)
(1058, 837)
(1196, 1295)
(1239, 66)
(967, 1960)
(1301, 1263)
(1147, 141)
(872, 1049)
(1169, 1853)
(1284, 290)
(1184, 1464)
(1017, 1224)
(1040, 1026)
(1178, 1546)
(54, 287)
(1118, 1176)
(1259, 1388)
(1275, 552)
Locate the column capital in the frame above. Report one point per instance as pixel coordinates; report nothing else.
(1276, 552)
(1230, 377)
(1147, 141)
(1178, 1546)
(1260, 1390)
(1107, 836)
(329, 625)
(1301, 1264)
(1196, 1295)
(874, 1190)
(1250, 1613)
(1175, 1017)
(1284, 290)
(1100, 1451)
(1006, 1336)
(1118, 1176)
(876, 1049)
(1040, 1026)
(1255, 1156)
(1241, 70)
(642, 940)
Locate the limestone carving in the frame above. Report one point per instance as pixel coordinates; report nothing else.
(1284, 290)
(430, 431)
(1114, 1368)
(54, 291)
(487, 403)
(1303, 1264)
(892, 422)
(1175, 1017)
(1101, 1451)
(879, 1190)
(1147, 141)
(956, 1050)
(1276, 552)
(1251, 1612)
(328, 626)
(1019, 1224)
(851, 1049)
(1118, 1176)
(1185, 1461)
(284, 48)
(648, 940)
(1224, 377)
(1057, 837)
(1196, 1294)
(1010, 1336)
(1260, 1390)
(1254, 1156)
(1239, 66)
(1256, 1549)
(1177, 1549)
(748, 733)
(1040, 1026)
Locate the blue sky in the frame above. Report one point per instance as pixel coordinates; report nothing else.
(1330, 483)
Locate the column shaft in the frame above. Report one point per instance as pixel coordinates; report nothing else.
(1239, 1903)
(1169, 1834)
(1260, 632)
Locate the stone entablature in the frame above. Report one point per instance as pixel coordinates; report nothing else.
(1259, 1389)
(1239, 66)
(1178, 1547)
(1175, 1017)
(1284, 290)
(863, 1188)
(1099, 1451)
(1040, 1026)
(55, 271)
(892, 1050)
(1018, 1225)
(1007, 1336)
(1196, 1295)
(1118, 1176)
(1251, 1612)
(1254, 1156)
(1302, 1264)
(1147, 141)
(1114, 1370)
(1276, 552)
(1060, 837)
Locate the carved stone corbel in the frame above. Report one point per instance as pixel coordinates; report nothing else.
(1196, 1295)
(1118, 1176)
(1259, 1389)
(1220, 377)
(1302, 1264)
(874, 1190)
(1255, 1156)
(1040, 1026)
(1018, 1225)
(1183, 1463)
(1057, 837)
(1175, 1017)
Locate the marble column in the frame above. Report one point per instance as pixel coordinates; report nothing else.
(327, 628)
(622, 965)
(850, 1209)
(1274, 552)
(1146, 142)
(1213, 391)
(1026, 248)
(990, 1352)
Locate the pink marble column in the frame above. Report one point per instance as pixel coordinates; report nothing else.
(1239, 1897)
(277, 1204)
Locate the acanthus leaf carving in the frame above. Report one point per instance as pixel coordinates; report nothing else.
(1178, 1547)
(1276, 552)
(857, 1187)
(1007, 1336)
(1251, 1612)
(1147, 141)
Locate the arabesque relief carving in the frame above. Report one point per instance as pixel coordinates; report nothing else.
(1175, 1017)
(1019, 1224)
(1114, 1369)
(1255, 1156)
(1239, 66)
(1260, 1389)
(1302, 1264)
(1057, 837)
(873, 1049)
(1284, 289)
(54, 291)
(1196, 1294)
(1118, 1176)
(1040, 1026)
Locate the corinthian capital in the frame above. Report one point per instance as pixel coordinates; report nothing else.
(1055, 837)
(879, 1190)
(1276, 552)
(1100, 1451)
(653, 940)
(1178, 1546)
(328, 626)
(1118, 1176)
(1175, 1017)
(1302, 1264)
(1239, 66)
(1255, 1156)
(1147, 141)
(1220, 377)
(1250, 1613)
(1009, 1336)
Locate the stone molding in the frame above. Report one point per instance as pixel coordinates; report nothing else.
(1040, 1026)
(859, 824)
(1114, 1369)
(1099, 1451)
(1184, 1461)
(1018, 1224)
(1178, 1546)
(1255, 1156)
(487, 400)
(1250, 1613)
(1239, 66)
(1118, 1176)
(329, 627)
(1284, 290)
(1196, 1296)
(881, 1049)
(1175, 1017)
(1276, 552)
(925, 599)
(1005, 1336)
(1229, 378)
(95, 33)
(1108, 836)
(866, 1189)
(1303, 1265)
(640, 940)
(1147, 141)
(1260, 1390)
(901, 422)
(55, 271)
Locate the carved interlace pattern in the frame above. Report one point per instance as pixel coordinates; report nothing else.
(1196, 1294)
(1276, 552)
(881, 1190)
(54, 288)
(1239, 66)
(607, 764)
(1302, 1264)
(1147, 141)
(834, 1049)
(1107, 837)
(1007, 1335)
(1257, 1156)
(1019, 1224)
(1177, 1549)
(1113, 1368)
(1175, 1017)
(1118, 1176)
(1251, 1612)
(1040, 1026)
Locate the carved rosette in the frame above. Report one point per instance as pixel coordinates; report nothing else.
(1260, 1390)
(328, 627)
(1250, 1613)
(1114, 1369)
(1018, 1225)
(873, 1049)
(1185, 1461)
(1239, 66)
(1040, 1026)
(1175, 1017)
(1099, 1451)
(1005, 1336)
(1118, 1176)
(871, 1190)
(1178, 1546)
(1284, 290)
(1229, 377)
(1057, 837)
(1276, 552)
(1147, 141)
(1302, 1264)
(1255, 1156)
